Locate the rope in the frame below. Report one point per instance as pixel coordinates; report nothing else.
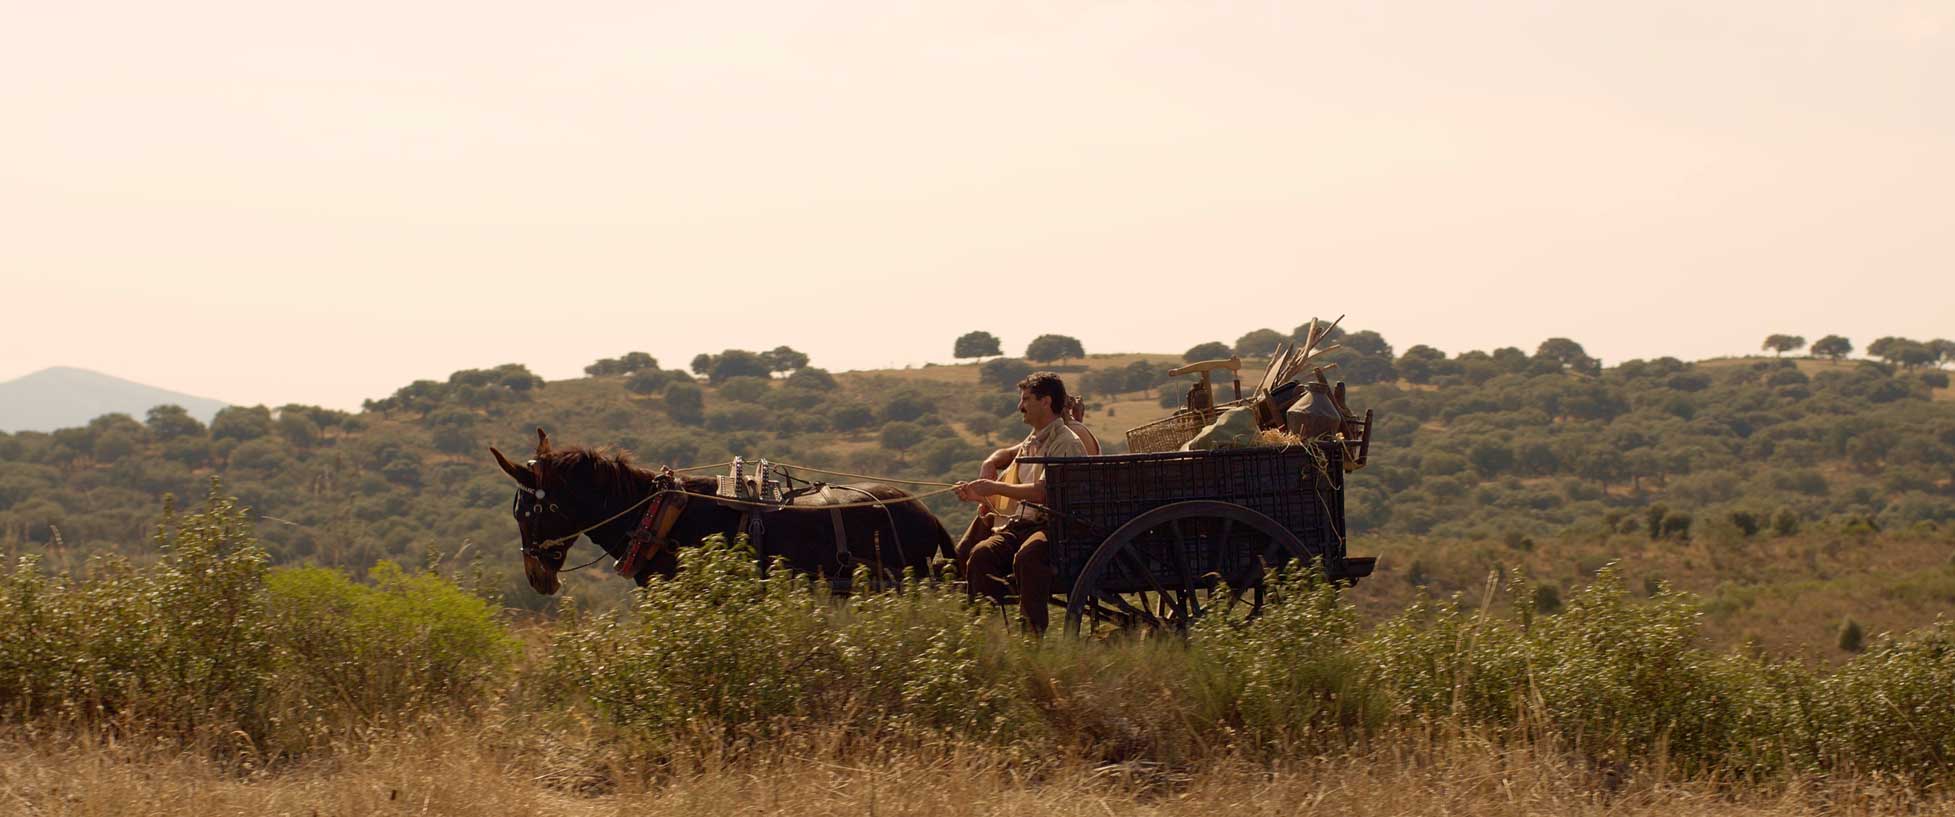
(865, 476)
(690, 468)
(727, 500)
(811, 469)
(878, 503)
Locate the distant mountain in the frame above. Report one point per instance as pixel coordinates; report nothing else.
(65, 397)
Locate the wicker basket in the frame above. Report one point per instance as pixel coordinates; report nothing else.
(1172, 432)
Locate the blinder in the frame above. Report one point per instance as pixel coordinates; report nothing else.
(534, 509)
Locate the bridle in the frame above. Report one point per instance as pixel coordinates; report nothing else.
(660, 485)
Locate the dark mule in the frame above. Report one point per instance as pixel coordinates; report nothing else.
(563, 492)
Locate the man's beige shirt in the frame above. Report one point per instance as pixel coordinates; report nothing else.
(1054, 440)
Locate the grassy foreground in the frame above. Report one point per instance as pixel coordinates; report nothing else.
(209, 683)
(472, 770)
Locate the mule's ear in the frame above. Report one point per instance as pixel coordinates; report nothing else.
(523, 476)
(542, 444)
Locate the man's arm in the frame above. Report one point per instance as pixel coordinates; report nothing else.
(978, 489)
(995, 464)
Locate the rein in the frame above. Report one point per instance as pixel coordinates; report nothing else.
(570, 539)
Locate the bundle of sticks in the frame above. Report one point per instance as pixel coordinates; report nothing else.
(1287, 362)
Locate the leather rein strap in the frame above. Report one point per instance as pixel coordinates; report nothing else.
(654, 531)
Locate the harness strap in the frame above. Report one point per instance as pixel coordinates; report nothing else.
(841, 544)
(654, 532)
(842, 555)
(756, 530)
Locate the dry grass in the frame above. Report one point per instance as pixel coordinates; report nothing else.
(458, 771)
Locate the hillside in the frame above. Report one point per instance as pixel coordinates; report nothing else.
(1791, 494)
(62, 397)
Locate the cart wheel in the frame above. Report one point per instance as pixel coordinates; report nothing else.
(1176, 563)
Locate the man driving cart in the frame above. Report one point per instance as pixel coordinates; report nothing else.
(1007, 539)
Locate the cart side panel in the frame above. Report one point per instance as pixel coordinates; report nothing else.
(1301, 490)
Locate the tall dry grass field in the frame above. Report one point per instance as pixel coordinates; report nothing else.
(209, 684)
(471, 770)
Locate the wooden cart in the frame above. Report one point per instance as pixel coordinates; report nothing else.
(1161, 539)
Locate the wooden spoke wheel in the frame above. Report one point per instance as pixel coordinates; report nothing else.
(1176, 563)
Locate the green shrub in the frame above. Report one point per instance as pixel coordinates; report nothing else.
(722, 648)
(407, 641)
(1889, 709)
(181, 642)
(197, 647)
(1292, 674)
(1616, 674)
(1851, 637)
(1438, 661)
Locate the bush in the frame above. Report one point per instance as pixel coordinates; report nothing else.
(745, 389)
(685, 402)
(1003, 373)
(1888, 709)
(1676, 525)
(1212, 350)
(850, 417)
(901, 435)
(722, 648)
(738, 417)
(812, 378)
(1292, 676)
(405, 642)
(1850, 637)
(203, 646)
(181, 642)
(647, 381)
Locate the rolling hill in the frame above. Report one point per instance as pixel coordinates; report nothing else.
(63, 397)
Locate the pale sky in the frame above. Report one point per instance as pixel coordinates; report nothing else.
(319, 203)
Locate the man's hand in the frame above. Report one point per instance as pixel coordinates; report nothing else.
(976, 490)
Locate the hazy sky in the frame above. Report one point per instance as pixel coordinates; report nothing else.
(280, 202)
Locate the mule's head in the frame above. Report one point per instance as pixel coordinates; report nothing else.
(548, 529)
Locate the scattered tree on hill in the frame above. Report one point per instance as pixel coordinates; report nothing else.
(1212, 350)
(1259, 343)
(901, 435)
(1333, 333)
(629, 363)
(685, 402)
(744, 389)
(1004, 372)
(1136, 376)
(1050, 348)
(977, 344)
(783, 359)
(1851, 637)
(809, 377)
(1902, 352)
(647, 381)
(1421, 363)
(241, 423)
(1780, 344)
(1832, 346)
(851, 417)
(1367, 342)
(737, 363)
(1944, 351)
(298, 429)
(170, 421)
(1568, 354)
